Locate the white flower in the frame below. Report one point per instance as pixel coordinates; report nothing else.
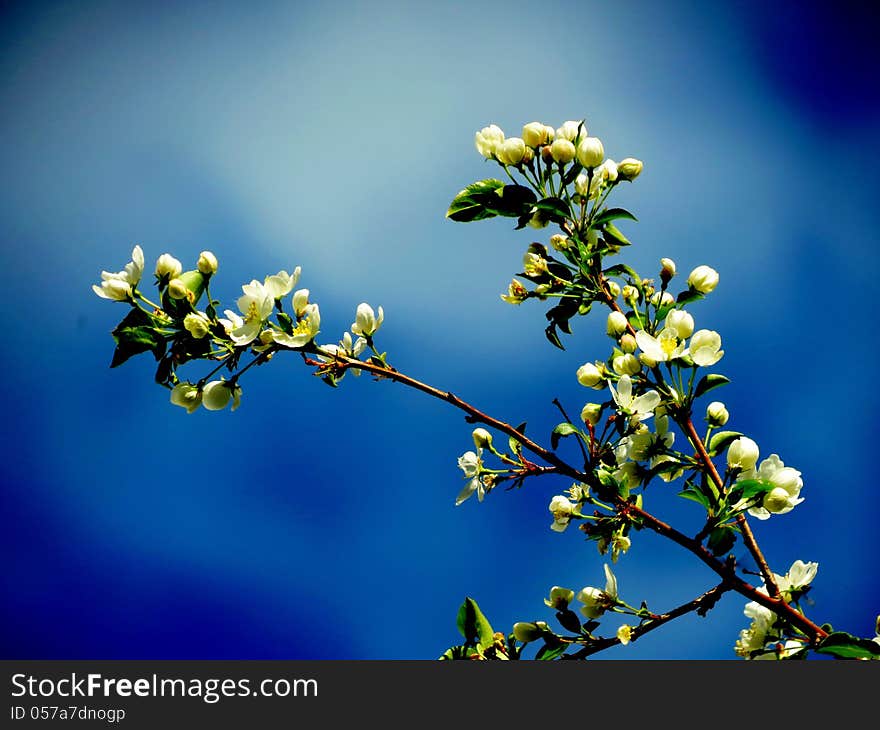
(281, 284)
(559, 598)
(589, 376)
(516, 293)
(665, 346)
(366, 321)
(562, 509)
(207, 263)
(705, 348)
(118, 286)
(197, 324)
(646, 445)
(799, 576)
(782, 651)
(168, 267)
(187, 396)
(581, 182)
(619, 544)
(703, 279)
(639, 408)
(308, 326)
(662, 299)
(596, 602)
(742, 454)
(680, 321)
(590, 151)
(217, 394)
(570, 130)
(256, 304)
(231, 322)
(787, 484)
(624, 634)
(471, 464)
(487, 139)
(534, 264)
(630, 168)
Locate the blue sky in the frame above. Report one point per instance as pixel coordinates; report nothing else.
(320, 524)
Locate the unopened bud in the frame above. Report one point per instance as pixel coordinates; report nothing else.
(626, 364)
(571, 130)
(591, 413)
(776, 500)
(630, 293)
(589, 376)
(511, 151)
(590, 152)
(207, 263)
(667, 270)
(703, 279)
(177, 289)
(168, 267)
(535, 134)
(716, 414)
(628, 343)
(617, 323)
(526, 631)
(562, 150)
(613, 288)
(196, 324)
(630, 168)
(482, 438)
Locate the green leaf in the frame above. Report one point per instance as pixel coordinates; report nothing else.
(689, 296)
(751, 487)
(709, 382)
(552, 335)
(511, 201)
(695, 496)
(133, 339)
(571, 174)
(612, 214)
(557, 210)
(285, 321)
(611, 231)
(549, 651)
(721, 440)
(621, 269)
(847, 646)
(516, 446)
(470, 203)
(569, 620)
(474, 626)
(721, 540)
(561, 430)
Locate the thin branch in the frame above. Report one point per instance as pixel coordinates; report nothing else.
(701, 604)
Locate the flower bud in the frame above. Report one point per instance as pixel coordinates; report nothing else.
(560, 598)
(742, 454)
(630, 293)
(526, 631)
(630, 168)
(482, 438)
(628, 343)
(626, 365)
(582, 186)
(535, 134)
(570, 131)
(591, 413)
(617, 323)
(300, 302)
(546, 155)
(488, 139)
(662, 299)
(168, 267)
(776, 500)
(196, 324)
(589, 376)
(647, 360)
(590, 151)
(207, 263)
(216, 395)
(366, 321)
(667, 270)
(703, 279)
(177, 289)
(680, 321)
(187, 396)
(511, 151)
(562, 150)
(716, 414)
(613, 288)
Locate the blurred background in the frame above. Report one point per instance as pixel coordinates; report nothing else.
(319, 523)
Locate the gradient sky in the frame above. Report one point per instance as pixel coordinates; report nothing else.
(315, 523)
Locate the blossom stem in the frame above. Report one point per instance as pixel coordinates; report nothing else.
(702, 604)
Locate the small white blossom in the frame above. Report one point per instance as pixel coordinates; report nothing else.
(570, 130)
(366, 321)
(742, 454)
(665, 346)
(471, 464)
(798, 577)
(256, 305)
(624, 634)
(596, 601)
(640, 407)
(281, 284)
(705, 348)
(680, 321)
(305, 330)
(168, 267)
(562, 509)
(787, 484)
(197, 324)
(559, 598)
(487, 139)
(703, 279)
(118, 286)
(187, 396)
(630, 168)
(207, 263)
(300, 301)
